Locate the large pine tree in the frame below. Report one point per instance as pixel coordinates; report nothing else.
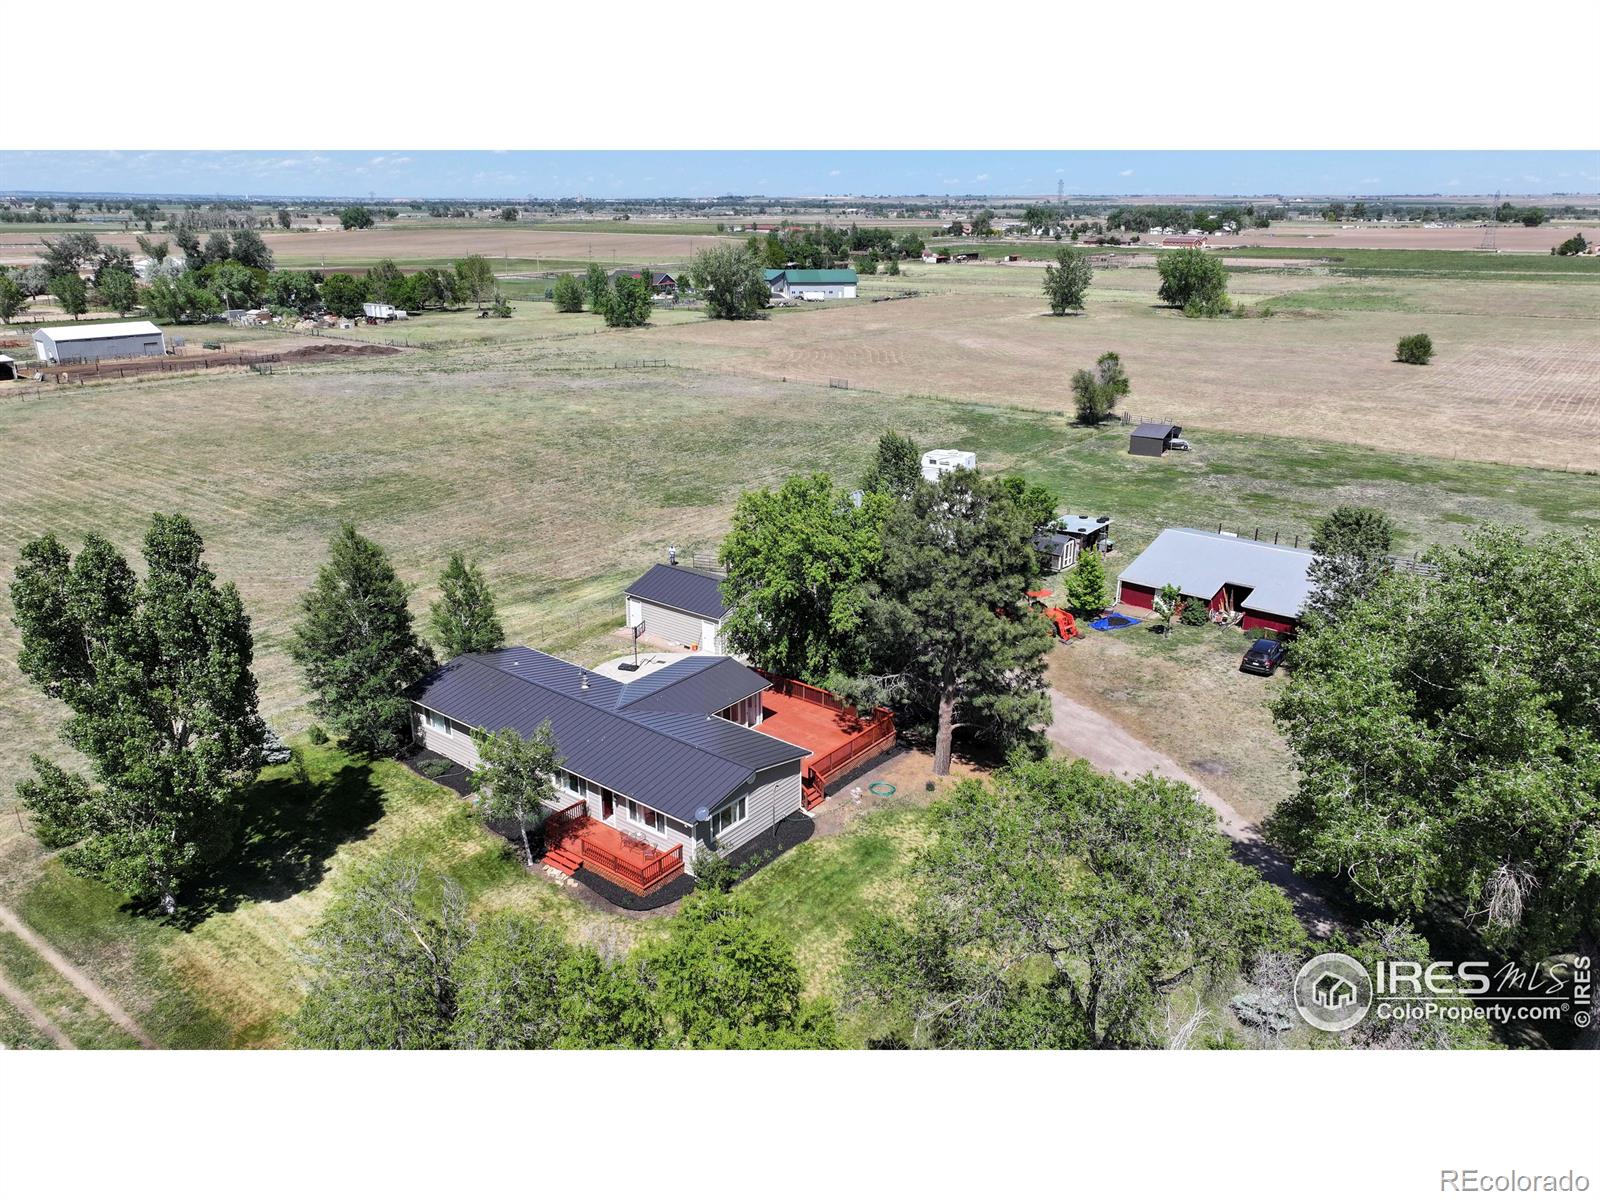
(356, 645)
(158, 677)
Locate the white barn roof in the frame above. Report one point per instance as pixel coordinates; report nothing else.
(1200, 563)
(84, 333)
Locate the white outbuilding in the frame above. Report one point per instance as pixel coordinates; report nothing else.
(941, 462)
(90, 343)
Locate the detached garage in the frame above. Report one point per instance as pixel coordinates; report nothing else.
(91, 343)
(1152, 440)
(679, 605)
(1263, 585)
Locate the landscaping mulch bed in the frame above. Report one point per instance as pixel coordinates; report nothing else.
(457, 778)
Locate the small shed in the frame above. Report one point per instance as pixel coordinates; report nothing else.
(8, 368)
(1152, 439)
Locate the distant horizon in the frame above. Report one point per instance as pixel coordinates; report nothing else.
(816, 176)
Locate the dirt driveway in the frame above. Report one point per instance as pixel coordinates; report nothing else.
(1085, 733)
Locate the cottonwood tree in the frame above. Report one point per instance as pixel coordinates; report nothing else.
(357, 216)
(596, 287)
(950, 634)
(118, 292)
(1351, 545)
(1191, 277)
(628, 304)
(1095, 393)
(1037, 502)
(800, 562)
(356, 646)
(249, 249)
(567, 294)
(382, 964)
(730, 280)
(1066, 281)
(463, 619)
(1446, 736)
(343, 295)
(71, 294)
(13, 301)
(516, 778)
(896, 467)
(157, 676)
(1058, 908)
(721, 979)
(476, 277)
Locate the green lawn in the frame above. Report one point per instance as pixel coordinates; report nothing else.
(223, 973)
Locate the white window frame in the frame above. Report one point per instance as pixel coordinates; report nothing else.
(655, 821)
(435, 721)
(727, 817)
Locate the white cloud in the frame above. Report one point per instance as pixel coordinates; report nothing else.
(833, 172)
(981, 178)
(1129, 171)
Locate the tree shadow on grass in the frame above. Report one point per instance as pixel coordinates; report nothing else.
(290, 830)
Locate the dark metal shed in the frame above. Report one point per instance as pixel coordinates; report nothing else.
(1152, 439)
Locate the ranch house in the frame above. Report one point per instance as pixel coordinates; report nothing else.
(699, 753)
(1265, 585)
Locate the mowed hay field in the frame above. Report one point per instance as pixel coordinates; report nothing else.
(1514, 378)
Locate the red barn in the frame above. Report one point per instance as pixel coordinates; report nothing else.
(1266, 585)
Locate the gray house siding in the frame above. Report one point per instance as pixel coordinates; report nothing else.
(682, 628)
(772, 795)
(455, 743)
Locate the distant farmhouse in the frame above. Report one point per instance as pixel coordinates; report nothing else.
(91, 343)
(790, 283)
(661, 282)
(1265, 585)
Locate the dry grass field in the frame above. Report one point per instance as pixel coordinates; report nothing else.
(1520, 239)
(1513, 380)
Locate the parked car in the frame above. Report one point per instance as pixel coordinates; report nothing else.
(1178, 444)
(1264, 657)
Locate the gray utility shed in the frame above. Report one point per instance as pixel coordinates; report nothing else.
(1152, 439)
(90, 343)
(679, 605)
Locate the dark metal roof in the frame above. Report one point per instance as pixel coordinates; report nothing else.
(675, 762)
(1151, 429)
(701, 683)
(679, 587)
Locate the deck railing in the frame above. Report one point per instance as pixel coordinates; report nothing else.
(641, 873)
(559, 823)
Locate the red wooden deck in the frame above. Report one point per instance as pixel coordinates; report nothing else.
(839, 738)
(573, 839)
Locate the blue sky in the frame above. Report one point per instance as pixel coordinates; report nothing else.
(419, 174)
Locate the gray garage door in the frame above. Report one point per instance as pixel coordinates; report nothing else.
(671, 624)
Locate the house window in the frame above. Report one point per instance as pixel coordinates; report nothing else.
(647, 817)
(435, 722)
(731, 814)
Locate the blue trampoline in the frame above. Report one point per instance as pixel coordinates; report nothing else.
(1112, 621)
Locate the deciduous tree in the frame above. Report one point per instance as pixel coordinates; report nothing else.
(356, 647)
(118, 292)
(476, 277)
(463, 618)
(157, 677)
(516, 778)
(1191, 277)
(13, 301)
(357, 216)
(1351, 545)
(800, 561)
(1057, 908)
(628, 304)
(1066, 281)
(71, 294)
(1447, 743)
(1095, 393)
(731, 281)
(568, 294)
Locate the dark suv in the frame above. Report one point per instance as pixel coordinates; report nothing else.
(1264, 656)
